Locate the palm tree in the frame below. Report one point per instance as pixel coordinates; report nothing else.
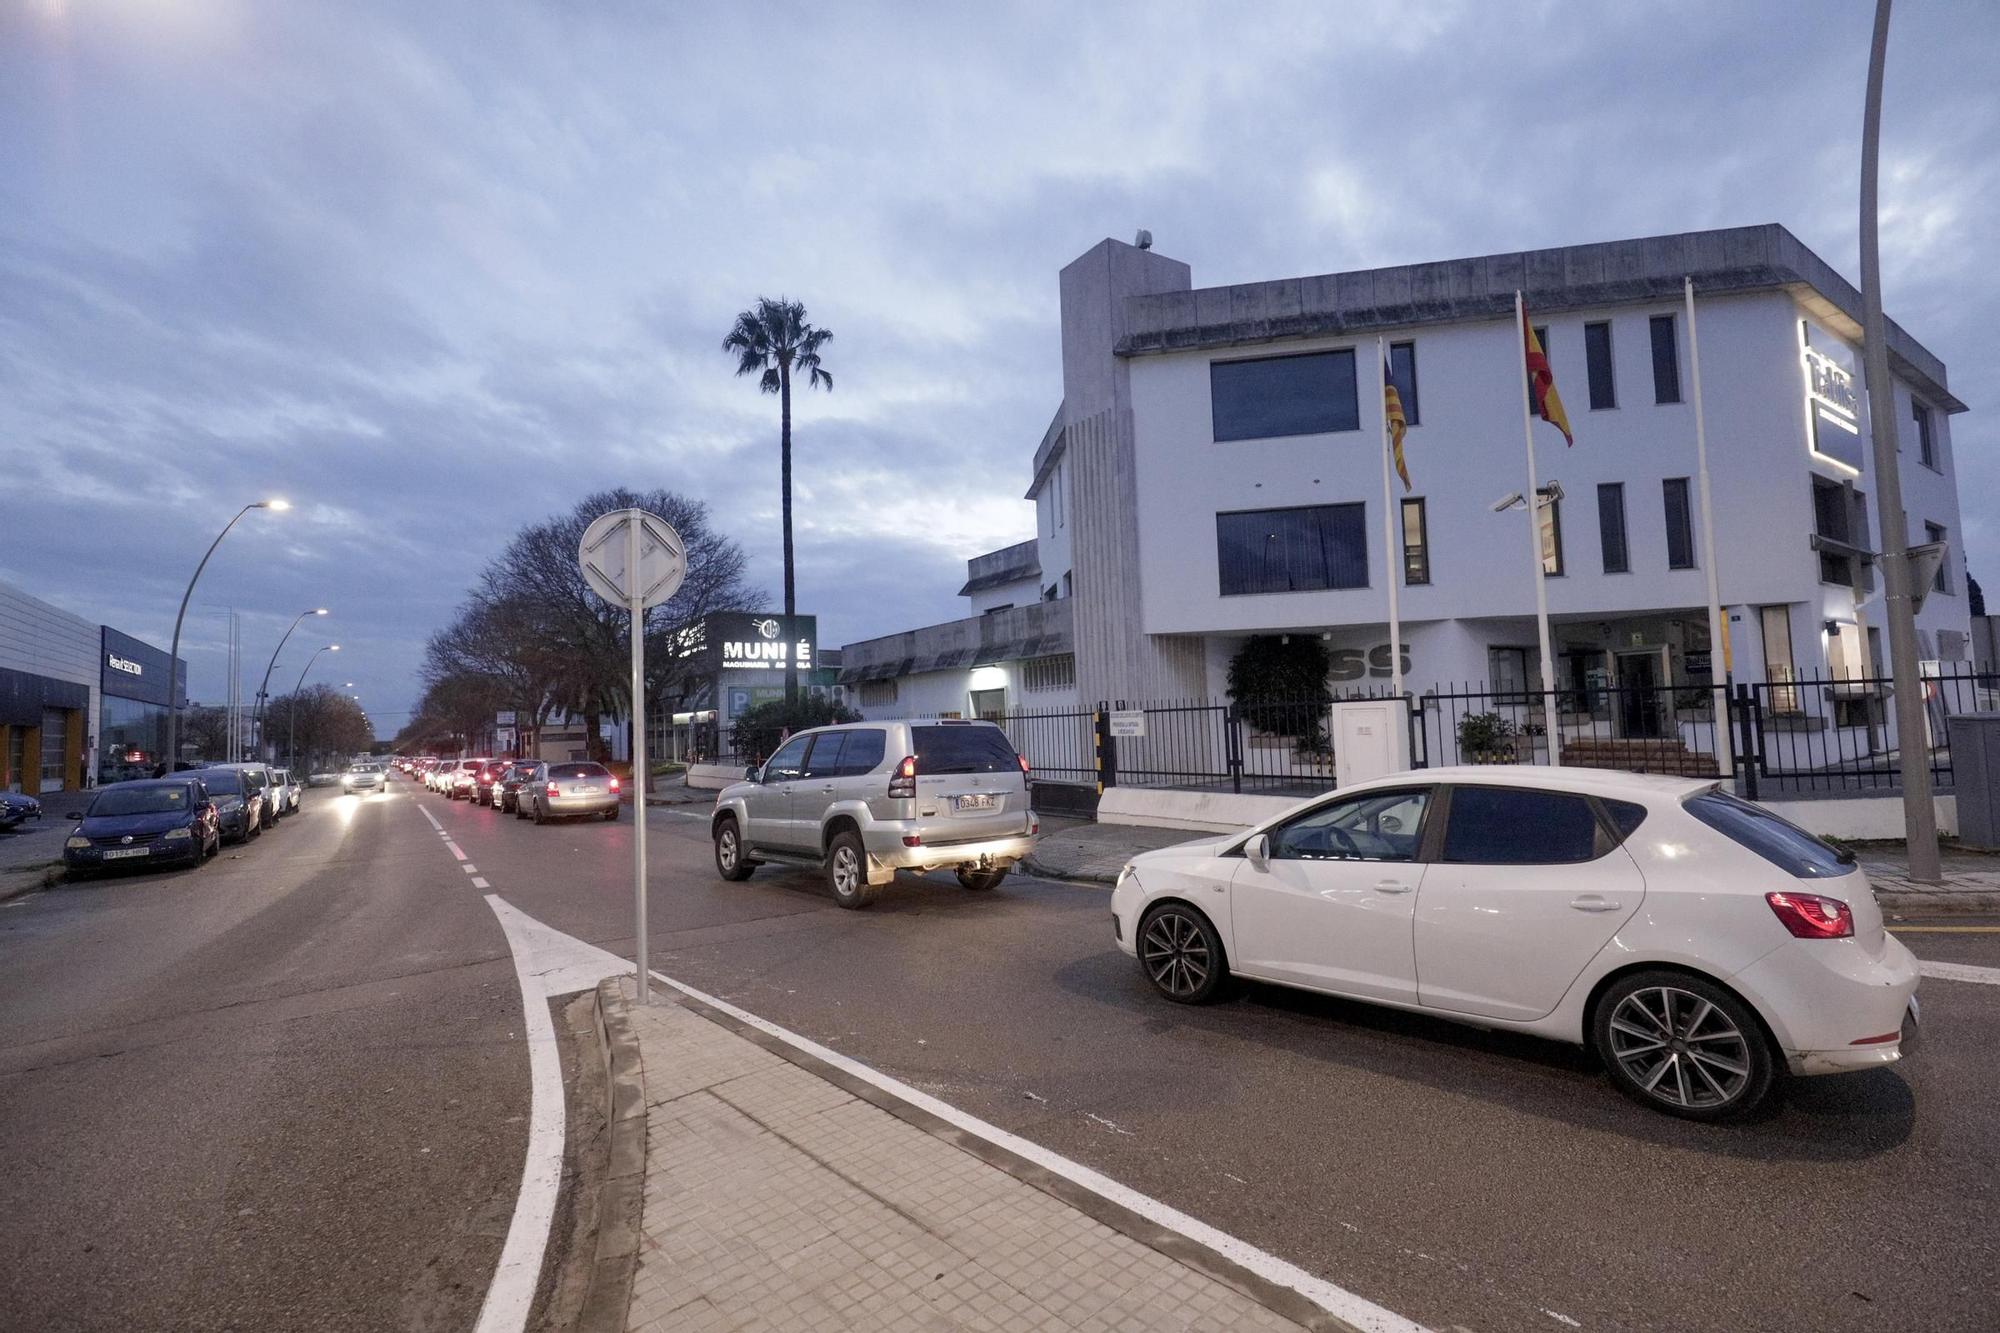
(775, 339)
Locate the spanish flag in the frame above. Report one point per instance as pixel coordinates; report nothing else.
(1392, 408)
(1542, 382)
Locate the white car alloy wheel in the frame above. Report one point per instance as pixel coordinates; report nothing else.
(1181, 953)
(1683, 1045)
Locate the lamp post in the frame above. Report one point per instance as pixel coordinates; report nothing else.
(174, 653)
(263, 689)
(292, 710)
(1913, 760)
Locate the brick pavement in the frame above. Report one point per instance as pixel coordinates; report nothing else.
(778, 1200)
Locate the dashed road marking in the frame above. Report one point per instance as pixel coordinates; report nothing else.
(455, 850)
(469, 868)
(478, 882)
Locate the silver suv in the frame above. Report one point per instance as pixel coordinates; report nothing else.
(866, 799)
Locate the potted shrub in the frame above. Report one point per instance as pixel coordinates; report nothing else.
(1488, 738)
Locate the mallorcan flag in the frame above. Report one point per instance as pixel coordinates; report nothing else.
(1542, 382)
(1392, 407)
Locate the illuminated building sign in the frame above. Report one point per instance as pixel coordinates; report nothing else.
(1833, 398)
(736, 641)
(125, 664)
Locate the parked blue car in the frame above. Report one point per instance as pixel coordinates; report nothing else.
(16, 809)
(157, 821)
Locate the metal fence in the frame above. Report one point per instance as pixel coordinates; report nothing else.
(1795, 736)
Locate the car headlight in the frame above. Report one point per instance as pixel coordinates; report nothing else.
(78, 843)
(1124, 873)
(178, 834)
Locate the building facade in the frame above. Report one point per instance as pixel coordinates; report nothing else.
(1213, 473)
(75, 698)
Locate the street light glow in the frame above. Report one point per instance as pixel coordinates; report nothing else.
(274, 504)
(320, 611)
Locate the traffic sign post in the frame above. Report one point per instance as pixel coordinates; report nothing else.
(636, 560)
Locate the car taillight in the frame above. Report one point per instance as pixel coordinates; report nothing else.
(904, 783)
(1810, 916)
(554, 790)
(1022, 760)
(614, 788)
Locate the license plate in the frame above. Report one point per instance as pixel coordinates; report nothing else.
(119, 853)
(980, 801)
(583, 791)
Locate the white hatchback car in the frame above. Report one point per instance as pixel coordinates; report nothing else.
(1691, 939)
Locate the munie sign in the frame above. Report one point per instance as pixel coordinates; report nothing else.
(738, 641)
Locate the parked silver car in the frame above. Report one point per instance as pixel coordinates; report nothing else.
(566, 790)
(289, 790)
(863, 800)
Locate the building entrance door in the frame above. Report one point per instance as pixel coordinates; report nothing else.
(54, 730)
(1641, 675)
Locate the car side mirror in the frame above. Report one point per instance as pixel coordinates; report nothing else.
(1257, 851)
(753, 774)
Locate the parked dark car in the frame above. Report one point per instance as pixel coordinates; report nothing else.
(16, 809)
(486, 781)
(241, 819)
(508, 794)
(156, 821)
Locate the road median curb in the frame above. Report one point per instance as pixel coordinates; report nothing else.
(621, 1198)
(1944, 902)
(29, 879)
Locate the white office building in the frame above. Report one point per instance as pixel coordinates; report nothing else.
(1213, 473)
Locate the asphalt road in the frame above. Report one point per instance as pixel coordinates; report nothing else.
(288, 1032)
(1456, 1177)
(285, 1091)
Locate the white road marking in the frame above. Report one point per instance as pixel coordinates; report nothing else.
(1338, 1301)
(479, 882)
(1981, 976)
(1562, 1319)
(433, 818)
(469, 868)
(455, 850)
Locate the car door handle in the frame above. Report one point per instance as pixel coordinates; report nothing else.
(1393, 886)
(1593, 902)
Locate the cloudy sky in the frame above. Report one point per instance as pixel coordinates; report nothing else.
(436, 270)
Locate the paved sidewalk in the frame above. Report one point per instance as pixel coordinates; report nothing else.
(1094, 853)
(776, 1199)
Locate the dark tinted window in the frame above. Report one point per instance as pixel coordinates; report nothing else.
(223, 782)
(254, 779)
(1666, 361)
(789, 761)
(1627, 815)
(1283, 395)
(863, 753)
(1597, 356)
(1403, 373)
(139, 801)
(1292, 550)
(1611, 527)
(824, 761)
(1510, 826)
(963, 750)
(579, 771)
(1680, 526)
(1779, 841)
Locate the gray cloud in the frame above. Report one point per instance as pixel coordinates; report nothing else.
(435, 271)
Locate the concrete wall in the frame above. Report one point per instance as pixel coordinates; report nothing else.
(1019, 593)
(44, 640)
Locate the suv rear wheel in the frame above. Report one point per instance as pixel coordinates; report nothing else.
(981, 879)
(730, 862)
(847, 870)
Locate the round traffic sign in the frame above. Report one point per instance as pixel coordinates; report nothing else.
(606, 557)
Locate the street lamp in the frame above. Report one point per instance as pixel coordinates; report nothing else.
(263, 689)
(292, 713)
(174, 653)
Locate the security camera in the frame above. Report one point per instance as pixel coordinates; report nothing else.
(1506, 502)
(1553, 492)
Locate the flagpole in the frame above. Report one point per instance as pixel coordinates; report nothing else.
(1535, 545)
(1719, 656)
(1392, 563)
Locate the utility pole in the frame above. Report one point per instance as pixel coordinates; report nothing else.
(1912, 729)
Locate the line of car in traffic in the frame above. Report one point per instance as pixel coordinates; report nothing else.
(535, 789)
(184, 818)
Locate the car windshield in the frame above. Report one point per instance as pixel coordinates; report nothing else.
(253, 779)
(963, 750)
(139, 801)
(223, 782)
(361, 768)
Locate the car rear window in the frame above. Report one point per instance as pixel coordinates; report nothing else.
(963, 750)
(1779, 841)
(1512, 826)
(579, 771)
